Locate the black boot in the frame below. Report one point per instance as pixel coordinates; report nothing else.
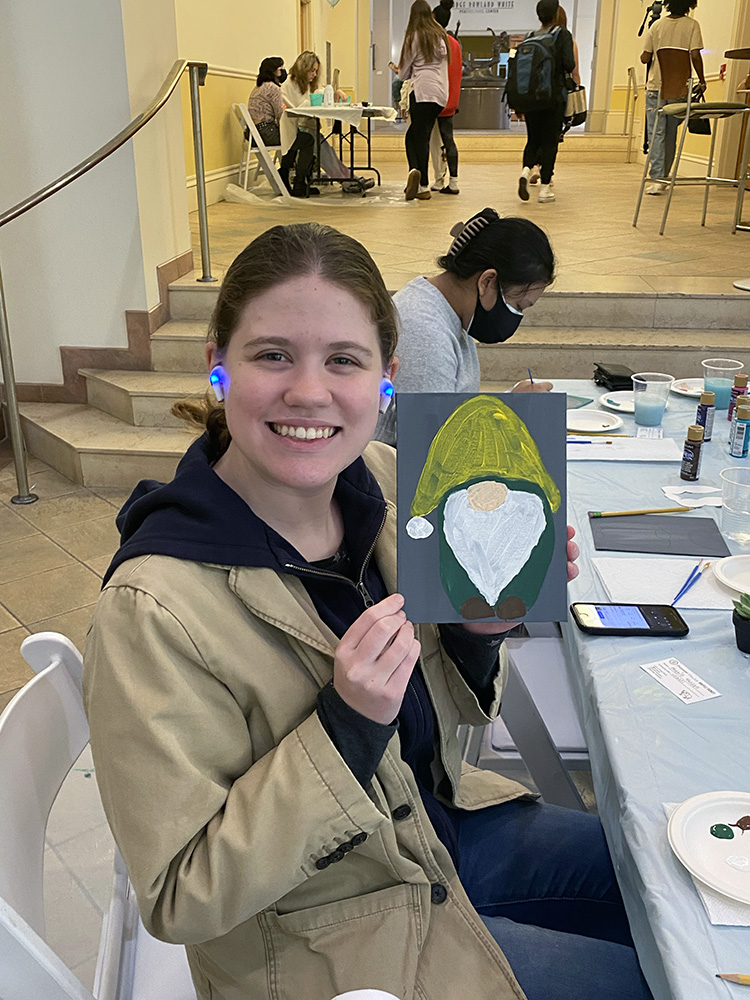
(285, 166)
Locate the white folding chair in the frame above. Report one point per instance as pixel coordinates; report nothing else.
(256, 147)
(43, 731)
(538, 727)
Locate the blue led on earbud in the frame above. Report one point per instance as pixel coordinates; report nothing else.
(218, 379)
(386, 394)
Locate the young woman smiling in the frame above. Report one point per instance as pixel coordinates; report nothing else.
(275, 743)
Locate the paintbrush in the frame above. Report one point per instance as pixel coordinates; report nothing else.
(625, 513)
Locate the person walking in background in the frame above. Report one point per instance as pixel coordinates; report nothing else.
(424, 60)
(442, 131)
(561, 21)
(675, 31)
(537, 89)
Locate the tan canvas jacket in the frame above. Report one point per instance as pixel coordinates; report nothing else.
(246, 836)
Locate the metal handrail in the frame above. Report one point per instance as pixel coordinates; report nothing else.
(198, 73)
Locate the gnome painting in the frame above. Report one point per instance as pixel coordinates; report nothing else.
(481, 508)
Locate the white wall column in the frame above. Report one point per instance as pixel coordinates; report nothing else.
(75, 264)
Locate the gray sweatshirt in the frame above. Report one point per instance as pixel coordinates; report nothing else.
(435, 353)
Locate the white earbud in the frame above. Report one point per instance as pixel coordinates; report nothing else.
(386, 394)
(219, 381)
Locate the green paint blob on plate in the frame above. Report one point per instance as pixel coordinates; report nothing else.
(722, 831)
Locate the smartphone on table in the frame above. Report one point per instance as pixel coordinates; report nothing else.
(629, 619)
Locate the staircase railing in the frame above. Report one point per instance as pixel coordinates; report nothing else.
(197, 72)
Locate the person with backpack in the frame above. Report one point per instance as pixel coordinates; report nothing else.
(537, 89)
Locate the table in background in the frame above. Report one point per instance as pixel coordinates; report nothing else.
(351, 115)
(647, 747)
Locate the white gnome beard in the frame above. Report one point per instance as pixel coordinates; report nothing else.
(493, 546)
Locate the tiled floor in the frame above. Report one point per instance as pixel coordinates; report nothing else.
(590, 226)
(52, 556)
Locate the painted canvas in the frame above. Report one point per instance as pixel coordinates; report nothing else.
(482, 519)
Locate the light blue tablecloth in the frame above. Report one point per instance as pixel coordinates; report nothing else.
(646, 747)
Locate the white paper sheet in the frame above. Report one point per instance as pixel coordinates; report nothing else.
(626, 450)
(680, 680)
(658, 581)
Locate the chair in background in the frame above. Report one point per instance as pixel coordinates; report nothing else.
(675, 67)
(42, 733)
(538, 727)
(256, 147)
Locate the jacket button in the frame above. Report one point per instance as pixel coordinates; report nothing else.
(358, 839)
(346, 846)
(337, 855)
(322, 863)
(438, 893)
(401, 812)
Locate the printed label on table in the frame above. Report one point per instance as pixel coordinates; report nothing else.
(650, 432)
(676, 677)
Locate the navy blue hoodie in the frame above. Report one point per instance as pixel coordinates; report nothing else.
(198, 517)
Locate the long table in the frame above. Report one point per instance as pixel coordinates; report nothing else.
(646, 747)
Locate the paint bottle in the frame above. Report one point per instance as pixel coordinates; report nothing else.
(328, 103)
(740, 444)
(691, 454)
(738, 389)
(706, 413)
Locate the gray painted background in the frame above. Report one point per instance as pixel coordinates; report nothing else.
(420, 416)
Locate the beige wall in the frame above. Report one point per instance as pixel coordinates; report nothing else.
(238, 36)
(720, 22)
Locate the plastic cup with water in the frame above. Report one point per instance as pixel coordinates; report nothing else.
(718, 377)
(650, 394)
(735, 504)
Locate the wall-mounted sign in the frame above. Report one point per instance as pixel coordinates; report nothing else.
(500, 15)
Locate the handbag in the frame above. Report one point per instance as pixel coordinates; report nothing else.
(699, 126)
(613, 377)
(575, 108)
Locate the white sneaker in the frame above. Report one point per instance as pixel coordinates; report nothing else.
(658, 187)
(545, 194)
(439, 183)
(534, 176)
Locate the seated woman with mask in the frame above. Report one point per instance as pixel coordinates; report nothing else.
(494, 270)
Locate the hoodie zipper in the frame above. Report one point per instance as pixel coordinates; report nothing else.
(359, 586)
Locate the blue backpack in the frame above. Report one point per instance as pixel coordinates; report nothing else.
(531, 84)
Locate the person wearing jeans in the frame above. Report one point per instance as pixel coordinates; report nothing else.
(557, 919)
(424, 60)
(675, 31)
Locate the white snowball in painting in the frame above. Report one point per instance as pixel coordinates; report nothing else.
(493, 545)
(419, 527)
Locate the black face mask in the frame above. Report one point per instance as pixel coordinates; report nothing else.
(281, 77)
(496, 325)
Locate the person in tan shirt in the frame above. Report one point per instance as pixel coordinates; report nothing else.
(275, 742)
(675, 31)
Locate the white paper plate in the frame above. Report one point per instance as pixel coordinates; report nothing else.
(706, 856)
(688, 387)
(592, 421)
(734, 572)
(620, 402)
